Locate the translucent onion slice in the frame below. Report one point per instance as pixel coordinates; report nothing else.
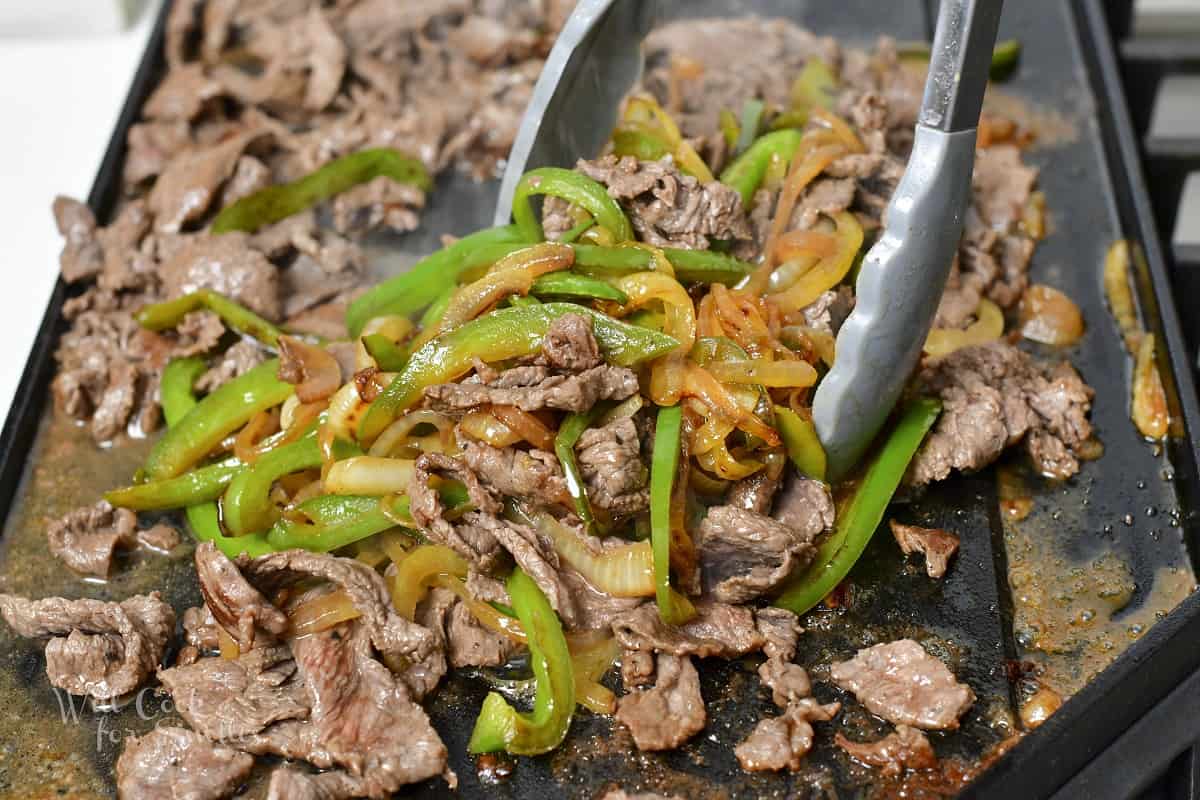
(1149, 408)
(1050, 317)
(1120, 295)
(368, 475)
(395, 434)
(416, 572)
(482, 425)
(525, 425)
(321, 613)
(988, 326)
(621, 571)
(772, 374)
(513, 274)
(828, 272)
(591, 661)
(667, 372)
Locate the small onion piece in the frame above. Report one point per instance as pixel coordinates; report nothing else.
(346, 410)
(625, 570)
(988, 326)
(623, 410)
(1120, 295)
(826, 273)
(591, 661)
(772, 374)
(525, 425)
(368, 475)
(416, 572)
(321, 613)
(1149, 407)
(312, 369)
(394, 435)
(1050, 317)
(482, 425)
(666, 372)
(247, 443)
(513, 274)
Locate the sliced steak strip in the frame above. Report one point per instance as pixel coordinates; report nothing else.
(239, 359)
(788, 682)
(179, 764)
(668, 208)
(905, 685)
(86, 539)
(230, 699)
(905, 748)
(289, 783)
(666, 716)
(744, 555)
(378, 203)
(570, 345)
(236, 606)
(228, 265)
(99, 649)
(82, 256)
(610, 460)
(780, 630)
(782, 742)
(190, 182)
(937, 545)
(755, 493)
(527, 474)
(805, 506)
(536, 387)
(993, 395)
(718, 629)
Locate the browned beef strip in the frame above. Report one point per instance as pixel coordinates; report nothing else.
(534, 554)
(615, 476)
(398, 640)
(637, 668)
(829, 310)
(181, 95)
(190, 182)
(668, 208)
(379, 203)
(788, 682)
(179, 764)
(225, 264)
(535, 387)
(465, 640)
(199, 332)
(527, 474)
(782, 742)
(570, 345)
(86, 538)
(289, 783)
(363, 719)
(670, 713)
(161, 537)
(231, 699)
(239, 359)
(993, 395)
(718, 629)
(249, 176)
(200, 629)
(150, 146)
(755, 493)
(466, 536)
(744, 555)
(905, 748)
(1002, 185)
(236, 606)
(99, 649)
(594, 609)
(902, 683)
(805, 506)
(82, 257)
(780, 630)
(937, 545)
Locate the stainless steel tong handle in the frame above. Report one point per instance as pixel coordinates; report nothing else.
(904, 273)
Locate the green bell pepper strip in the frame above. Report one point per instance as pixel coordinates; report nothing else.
(572, 427)
(337, 520)
(430, 278)
(195, 486)
(574, 187)
(216, 416)
(730, 128)
(388, 356)
(520, 301)
(500, 726)
(204, 518)
(800, 440)
(497, 336)
(246, 506)
(573, 285)
(639, 144)
(579, 230)
(664, 465)
(699, 266)
(275, 203)
(746, 172)
(752, 112)
(858, 519)
(169, 313)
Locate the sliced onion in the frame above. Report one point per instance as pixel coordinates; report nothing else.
(1050, 317)
(1149, 410)
(395, 327)
(321, 613)
(828, 272)
(487, 616)
(591, 661)
(841, 130)
(772, 374)
(720, 462)
(246, 443)
(314, 371)
(513, 274)
(988, 326)
(621, 571)
(700, 383)
(1120, 295)
(623, 410)
(395, 434)
(346, 409)
(482, 425)
(417, 571)
(525, 425)
(666, 373)
(821, 343)
(369, 475)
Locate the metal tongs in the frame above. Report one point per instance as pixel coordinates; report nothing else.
(597, 60)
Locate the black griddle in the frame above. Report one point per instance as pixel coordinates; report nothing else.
(1095, 194)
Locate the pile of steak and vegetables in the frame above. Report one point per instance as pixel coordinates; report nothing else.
(572, 444)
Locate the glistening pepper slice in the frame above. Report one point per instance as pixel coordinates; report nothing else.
(499, 335)
(800, 440)
(430, 278)
(169, 313)
(574, 187)
(500, 726)
(576, 286)
(674, 608)
(859, 518)
(569, 431)
(216, 416)
(335, 521)
(746, 172)
(279, 202)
